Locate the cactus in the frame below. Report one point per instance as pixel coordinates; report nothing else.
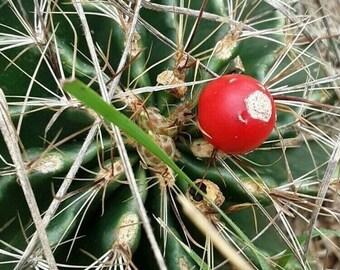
(101, 155)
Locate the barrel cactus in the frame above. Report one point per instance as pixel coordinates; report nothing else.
(104, 164)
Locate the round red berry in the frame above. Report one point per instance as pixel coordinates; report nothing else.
(236, 113)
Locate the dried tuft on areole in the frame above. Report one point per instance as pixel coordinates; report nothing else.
(128, 230)
(49, 163)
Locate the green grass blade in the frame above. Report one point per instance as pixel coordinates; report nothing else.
(94, 101)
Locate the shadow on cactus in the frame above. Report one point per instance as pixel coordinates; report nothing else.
(108, 194)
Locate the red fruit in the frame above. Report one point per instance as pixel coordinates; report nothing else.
(236, 114)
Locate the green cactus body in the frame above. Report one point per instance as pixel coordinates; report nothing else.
(149, 61)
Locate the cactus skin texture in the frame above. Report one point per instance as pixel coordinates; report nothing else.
(172, 48)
